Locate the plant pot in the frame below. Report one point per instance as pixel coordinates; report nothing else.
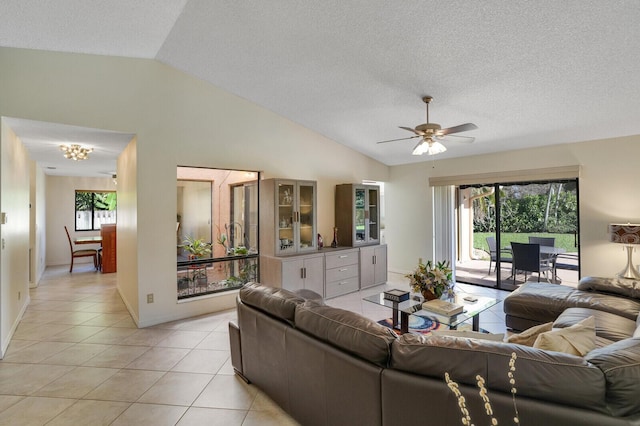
(428, 295)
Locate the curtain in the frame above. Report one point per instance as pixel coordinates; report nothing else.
(444, 225)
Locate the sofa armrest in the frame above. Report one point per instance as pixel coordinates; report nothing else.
(236, 350)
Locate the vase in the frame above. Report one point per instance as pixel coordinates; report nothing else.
(428, 295)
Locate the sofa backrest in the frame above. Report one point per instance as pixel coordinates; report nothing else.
(276, 302)
(546, 375)
(347, 331)
(620, 363)
(618, 286)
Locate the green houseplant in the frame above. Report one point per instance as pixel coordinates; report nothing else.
(196, 246)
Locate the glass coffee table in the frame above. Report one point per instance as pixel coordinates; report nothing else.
(413, 306)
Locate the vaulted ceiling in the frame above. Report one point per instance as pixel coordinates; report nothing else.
(527, 73)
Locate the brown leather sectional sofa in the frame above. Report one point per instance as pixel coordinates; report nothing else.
(328, 366)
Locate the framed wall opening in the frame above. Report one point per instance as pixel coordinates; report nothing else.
(216, 230)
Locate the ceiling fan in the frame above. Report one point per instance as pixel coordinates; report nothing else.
(431, 134)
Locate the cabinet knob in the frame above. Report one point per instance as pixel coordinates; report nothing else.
(343, 256)
(343, 270)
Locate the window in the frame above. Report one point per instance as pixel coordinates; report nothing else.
(94, 208)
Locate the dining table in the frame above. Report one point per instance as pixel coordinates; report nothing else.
(95, 239)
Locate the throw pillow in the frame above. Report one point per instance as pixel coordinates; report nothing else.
(529, 336)
(469, 334)
(579, 339)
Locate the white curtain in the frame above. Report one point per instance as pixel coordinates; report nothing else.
(444, 225)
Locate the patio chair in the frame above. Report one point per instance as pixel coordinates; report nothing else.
(547, 242)
(493, 253)
(526, 258)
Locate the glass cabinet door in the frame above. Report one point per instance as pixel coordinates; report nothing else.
(296, 217)
(306, 216)
(286, 217)
(373, 215)
(360, 213)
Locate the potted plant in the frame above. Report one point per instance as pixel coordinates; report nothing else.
(196, 247)
(432, 279)
(200, 278)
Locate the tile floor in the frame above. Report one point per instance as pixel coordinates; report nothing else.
(78, 358)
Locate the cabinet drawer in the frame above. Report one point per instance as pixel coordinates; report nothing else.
(337, 288)
(342, 258)
(344, 272)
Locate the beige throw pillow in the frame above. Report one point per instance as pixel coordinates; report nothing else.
(529, 336)
(579, 339)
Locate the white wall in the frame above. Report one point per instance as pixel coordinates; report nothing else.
(15, 168)
(178, 120)
(60, 198)
(38, 226)
(607, 191)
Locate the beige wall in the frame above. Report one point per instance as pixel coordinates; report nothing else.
(15, 170)
(178, 120)
(608, 193)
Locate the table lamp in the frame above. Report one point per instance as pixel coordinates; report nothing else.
(628, 234)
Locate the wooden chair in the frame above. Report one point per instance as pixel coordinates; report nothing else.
(81, 253)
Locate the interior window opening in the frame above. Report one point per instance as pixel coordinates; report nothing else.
(216, 230)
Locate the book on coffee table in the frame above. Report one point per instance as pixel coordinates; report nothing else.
(442, 307)
(396, 295)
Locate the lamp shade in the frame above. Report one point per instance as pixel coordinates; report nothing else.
(627, 233)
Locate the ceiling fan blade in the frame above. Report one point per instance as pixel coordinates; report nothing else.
(401, 139)
(458, 138)
(417, 132)
(457, 129)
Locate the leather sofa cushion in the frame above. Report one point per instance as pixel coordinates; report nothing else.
(545, 302)
(277, 302)
(346, 330)
(620, 363)
(609, 326)
(622, 287)
(551, 376)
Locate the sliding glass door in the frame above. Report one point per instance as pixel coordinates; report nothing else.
(542, 213)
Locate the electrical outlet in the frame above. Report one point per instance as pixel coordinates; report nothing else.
(150, 298)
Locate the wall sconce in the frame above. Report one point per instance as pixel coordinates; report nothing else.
(75, 152)
(629, 235)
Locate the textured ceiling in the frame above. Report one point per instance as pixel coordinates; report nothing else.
(527, 73)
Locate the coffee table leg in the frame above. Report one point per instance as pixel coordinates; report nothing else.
(395, 315)
(476, 322)
(404, 322)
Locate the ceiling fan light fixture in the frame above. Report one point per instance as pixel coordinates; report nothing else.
(75, 152)
(429, 147)
(435, 147)
(421, 148)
